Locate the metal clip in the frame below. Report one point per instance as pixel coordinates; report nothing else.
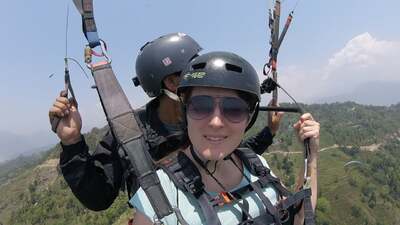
(89, 52)
(307, 183)
(103, 46)
(88, 55)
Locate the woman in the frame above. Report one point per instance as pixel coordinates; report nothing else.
(211, 181)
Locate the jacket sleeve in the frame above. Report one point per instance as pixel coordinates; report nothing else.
(95, 179)
(259, 142)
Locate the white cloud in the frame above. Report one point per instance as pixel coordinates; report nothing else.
(363, 50)
(363, 59)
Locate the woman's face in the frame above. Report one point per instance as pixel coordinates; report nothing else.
(216, 135)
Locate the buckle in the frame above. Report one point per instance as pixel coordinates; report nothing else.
(195, 187)
(284, 215)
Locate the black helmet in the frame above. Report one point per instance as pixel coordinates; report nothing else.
(164, 56)
(222, 70)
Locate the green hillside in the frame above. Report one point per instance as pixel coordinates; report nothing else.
(12, 168)
(39, 195)
(364, 192)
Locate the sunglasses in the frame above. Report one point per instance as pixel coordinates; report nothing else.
(234, 109)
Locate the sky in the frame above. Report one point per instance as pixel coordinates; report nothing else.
(332, 48)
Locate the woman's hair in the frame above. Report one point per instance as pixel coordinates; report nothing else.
(249, 99)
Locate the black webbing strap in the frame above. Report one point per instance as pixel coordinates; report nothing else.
(184, 174)
(255, 166)
(248, 158)
(253, 163)
(295, 198)
(127, 130)
(85, 8)
(265, 178)
(209, 213)
(308, 210)
(267, 203)
(187, 178)
(245, 206)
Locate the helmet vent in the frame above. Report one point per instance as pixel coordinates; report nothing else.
(232, 67)
(193, 57)
(147, 43)
(199, 66)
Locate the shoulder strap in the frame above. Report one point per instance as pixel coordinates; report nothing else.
(184, 174)
(85, 8)
(122, 119)
(253, 163)
(141, 112)
(127, 130)
(187, 178)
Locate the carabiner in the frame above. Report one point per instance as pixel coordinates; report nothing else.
(89, 52)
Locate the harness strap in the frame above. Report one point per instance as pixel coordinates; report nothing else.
(227, 194)
(269, 179)
(85, 8)
(308, 211)
(187, 178)
(208, 210)
(245, 207)
(270, 209)
(179, 216)
(251, 160)
(127, 130)
(124, 123)
(255, 166)
(295, 198)
(284, 205)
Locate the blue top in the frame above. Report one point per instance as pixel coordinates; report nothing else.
(190, 209)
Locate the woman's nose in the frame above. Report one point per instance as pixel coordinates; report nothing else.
(216, 117)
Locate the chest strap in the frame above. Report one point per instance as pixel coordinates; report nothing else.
(188, 179)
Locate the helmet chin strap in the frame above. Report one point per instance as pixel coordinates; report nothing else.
(171, 95)
(202, 163)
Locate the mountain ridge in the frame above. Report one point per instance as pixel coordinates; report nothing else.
(347, 195)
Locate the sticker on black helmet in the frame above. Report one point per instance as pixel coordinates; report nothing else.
(167, 61)
(194, 75)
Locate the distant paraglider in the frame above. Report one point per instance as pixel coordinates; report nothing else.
(354, 162)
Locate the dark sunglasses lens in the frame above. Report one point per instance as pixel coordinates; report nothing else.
(235, 109)
(199, 107)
